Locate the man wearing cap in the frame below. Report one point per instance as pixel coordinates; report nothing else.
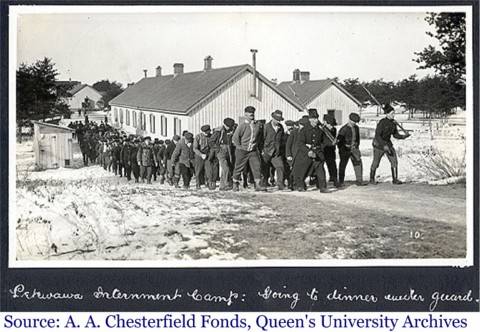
(159, 161)
(348, 148)
(125, 158)
(246, 139)
(310, 143)
(291, 130)
(146, 159)
(155, 147)
(382, 144)
(273, 152)
(203, 166)
(330, 149)
(133, 159)
(168, 158)
(116, 163)
(184, 156)
(222, 147)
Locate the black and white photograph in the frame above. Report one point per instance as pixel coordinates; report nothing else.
(240, 136)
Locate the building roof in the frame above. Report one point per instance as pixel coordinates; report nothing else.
(181, 93)
(305, 92)
(76, 89)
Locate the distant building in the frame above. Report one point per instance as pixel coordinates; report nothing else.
(327, 96)
(77, 94)
(164, 105)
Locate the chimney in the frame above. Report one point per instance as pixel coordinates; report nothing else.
(158, 72)
(177, 69)
(207, 63)
(130, 84)
(296, 75)
(304, 76)
(254, 65)
(145, 72)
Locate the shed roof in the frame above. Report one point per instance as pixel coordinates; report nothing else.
(181, 93)
(54, 126)
(306, 92)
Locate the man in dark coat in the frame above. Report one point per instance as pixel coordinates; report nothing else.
(170, 164)
(290, 135)
(310, 144)
(382, 144)
(184, 156)
(84, 147)
(203, 166)
(222, 148)
(156, 146)
(146, 159)
(125, 158)
(273, 152)
(116, 163)
(160, 161)
(133, 159)
(247, 138)
(348, 147)
(330, 150)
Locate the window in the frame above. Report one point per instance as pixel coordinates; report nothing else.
(177, 126)
(152, 123)
(134, 119)
(163, 126)
(115, 115)
(121, 115)
(127, 117)
(143, 121)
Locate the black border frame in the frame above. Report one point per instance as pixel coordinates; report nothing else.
(246, 281)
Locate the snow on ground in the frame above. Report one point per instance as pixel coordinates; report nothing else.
(88, 213)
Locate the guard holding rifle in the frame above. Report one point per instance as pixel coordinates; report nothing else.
(382, 144)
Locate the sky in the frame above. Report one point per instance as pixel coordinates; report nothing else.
(89, 47)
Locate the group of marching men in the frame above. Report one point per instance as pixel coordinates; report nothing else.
(250, 152)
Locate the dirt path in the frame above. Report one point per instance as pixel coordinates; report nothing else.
(367, 222)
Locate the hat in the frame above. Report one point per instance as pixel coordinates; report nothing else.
(289, 123)
(229, 122)
(176, 137)
(167, 141)
(278, 115)
(249, 109)
(330, 119)
(161, 141)
(354, 117)
(137, 139)
(155, 140)
(188, 137)
(205, 128)
(303, 121)
(387, 108)
(312, 113)
(147, 138)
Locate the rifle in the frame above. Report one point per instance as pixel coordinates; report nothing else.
(328, 133)
(401, 128)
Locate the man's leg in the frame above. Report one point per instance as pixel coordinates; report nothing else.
(344, 157)
(255, 165)
(320, 174)
(199, 169)
(392, 158)
(377, 156)
(241, 160)
(279, 166)
(149, 174)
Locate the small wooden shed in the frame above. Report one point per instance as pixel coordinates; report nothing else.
(53, 145)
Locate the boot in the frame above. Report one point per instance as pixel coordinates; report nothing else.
(372, 176)
(197, 185)
(162, 179)
(169, 181)
(359, 175)
(259, 186)
(213, 185)
(236, 186)
(395, 179)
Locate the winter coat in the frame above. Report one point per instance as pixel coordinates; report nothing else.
(145, 155)
(245, 139)
(273, 141)
(345, 136)
(183, 153)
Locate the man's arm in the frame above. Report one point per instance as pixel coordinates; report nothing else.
(236, 135)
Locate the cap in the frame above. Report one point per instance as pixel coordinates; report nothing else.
(278, 115)
(249, 109)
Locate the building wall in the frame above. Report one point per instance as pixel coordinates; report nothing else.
(152, 126)
(334, 99)
(232, 100)
(76, 101)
